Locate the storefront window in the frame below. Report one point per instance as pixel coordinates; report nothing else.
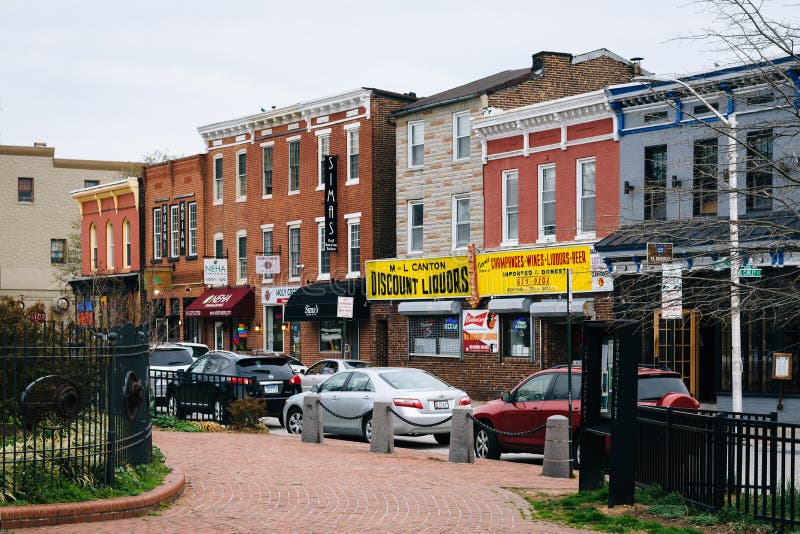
(434, 336)
(191, 325)
(330, 336)
(516, 335)
(274, 329)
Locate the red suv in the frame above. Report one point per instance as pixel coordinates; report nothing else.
(543, 394)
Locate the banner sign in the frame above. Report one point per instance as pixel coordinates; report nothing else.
(423, 278)
(164, 231)
(182, 232)
(329, 176)
(215, 271)
(481, 331)
(534, 272)
(601, 278)
(277, 295)
(268, 264)
(671, 291)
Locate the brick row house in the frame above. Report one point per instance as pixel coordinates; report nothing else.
(468, 201)
(256, 210)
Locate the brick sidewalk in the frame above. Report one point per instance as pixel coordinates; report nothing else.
(267, 483)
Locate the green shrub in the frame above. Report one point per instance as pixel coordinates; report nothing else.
(170, 422)
(246, 412)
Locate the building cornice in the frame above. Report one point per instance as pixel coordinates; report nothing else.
(113, 190)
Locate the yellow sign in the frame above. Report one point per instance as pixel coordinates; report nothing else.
(160, 279)
(423, 278)
(534, 272)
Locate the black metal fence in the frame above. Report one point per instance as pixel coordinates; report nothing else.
(746, 462)
(198, 396)
(73, 404)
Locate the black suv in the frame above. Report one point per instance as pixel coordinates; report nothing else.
(220, 377)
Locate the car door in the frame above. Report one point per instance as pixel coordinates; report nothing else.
(329, 392)
(557, 402)
(355, 399)
(523, 412)
(314, 376)
(187, 383)
(207, 384)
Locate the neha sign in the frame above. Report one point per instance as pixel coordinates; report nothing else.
(215, 272)
(423, 278)
(534, 272)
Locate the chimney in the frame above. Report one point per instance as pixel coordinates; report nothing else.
(40, 144)
(637, 65)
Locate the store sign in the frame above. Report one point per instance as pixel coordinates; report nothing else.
(344, 307)
(329, 177)
(601, 278)
(671, 291)
(659, 253)
(481, 331)
(160, 279)
(215, 271)
(164, 234)
(182, 231)
(534, 272)
(424, 278)
(268, 264)
(276, 295)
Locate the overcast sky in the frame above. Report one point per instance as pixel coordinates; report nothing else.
(117, 80)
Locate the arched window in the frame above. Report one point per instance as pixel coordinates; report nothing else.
(93, 234)
(126, 238)
(109, 245)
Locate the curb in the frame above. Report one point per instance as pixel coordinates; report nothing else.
(39, 515)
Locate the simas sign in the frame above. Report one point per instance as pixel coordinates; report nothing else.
(329, 176)
(481, 331)
(423, 278)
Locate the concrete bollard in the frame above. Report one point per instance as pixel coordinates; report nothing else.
(462, 446)
(556, 448)
(382, 428)
(312, 419)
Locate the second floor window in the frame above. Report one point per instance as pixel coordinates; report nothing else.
(324, 255)
(415, 226)
(461, 135)
(547, 202)
(241, 175)
(510, 207)
(126, 238)
(655, 183)
(58, 248)
(352, 155)
(93, 244)
(218, 179)
(192, 237)
(266, 247)
(219, 251)
(110, 245)
(586, 184)
(241, 257)
(157, 233)
(759, 170)
(416, 144)
(24, 189)
(174, 231)
(91, 183)
(323, 149)
(294, 252)
(294, 166)
(266, 179)
(354, 248)
(461, 223)
(705, 175)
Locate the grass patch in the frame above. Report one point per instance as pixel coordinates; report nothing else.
(41, 488)
(653, 513)
(169, 422)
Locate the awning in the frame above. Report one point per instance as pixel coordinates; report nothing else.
(557, 308)
(224, 302)
(430, 307)
(513, 305)
(319, 302)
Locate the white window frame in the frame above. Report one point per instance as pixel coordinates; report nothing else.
(456, 117)
(412, 125)
(157, 223)
(218, 180)
(271, 146)
(291, 226)
(241, 192)
(411, 204)
(241, 260)
(126, 238)
(218, 238)
(353, 219)
(507, 241)
(174, 231)
(323, 137)
(93, 246)
(579, 200)
(454, 221)
(109, 245)
(191, 250)
(320, 249)
(268, 229)
(289, 141)
(350, 131)
(540, 230)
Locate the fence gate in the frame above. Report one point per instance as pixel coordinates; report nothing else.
(676, 344)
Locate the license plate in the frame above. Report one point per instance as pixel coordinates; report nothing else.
(271, 388)
(441, 405)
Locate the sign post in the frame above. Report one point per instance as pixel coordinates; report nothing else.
(782, 371)
(344, 309)
(569, 367)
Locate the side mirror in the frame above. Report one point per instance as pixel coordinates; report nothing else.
(314, 389)
(505, 396)
(302, 371)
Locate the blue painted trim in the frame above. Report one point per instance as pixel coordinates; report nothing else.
(713, 256)
(617, 107)
(638, 261)
(689, 259)
(777, 257)
(678, 103)
(609, 264)
(726, 87)
(643, 129)
(795, 77)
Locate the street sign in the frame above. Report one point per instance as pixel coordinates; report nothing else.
(750, 272)
(720, 265)
(659, 253)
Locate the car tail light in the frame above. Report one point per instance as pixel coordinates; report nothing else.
(238, 380)
(295, 380)
(408, 403)
(465, 401)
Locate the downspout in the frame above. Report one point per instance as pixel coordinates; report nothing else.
(616, 107)
(678, 104)
(728, 89)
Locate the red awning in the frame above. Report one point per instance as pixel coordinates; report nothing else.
(224, 302)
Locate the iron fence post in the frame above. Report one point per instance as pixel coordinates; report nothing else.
(668, 452)
(719, 461)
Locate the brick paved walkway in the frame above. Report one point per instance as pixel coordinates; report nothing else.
(259, 483)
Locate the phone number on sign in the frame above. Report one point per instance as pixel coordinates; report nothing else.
(533, 280)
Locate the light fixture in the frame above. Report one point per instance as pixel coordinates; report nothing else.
(257, 327)
(628, 188)
(283, 327)
(676, 184)
(156, 292)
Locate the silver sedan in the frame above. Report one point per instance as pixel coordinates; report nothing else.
(321, 370)
(346, 400)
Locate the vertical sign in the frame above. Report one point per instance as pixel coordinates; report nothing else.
(329, 175)
(183, 228)
(164, 228)
(671, 291)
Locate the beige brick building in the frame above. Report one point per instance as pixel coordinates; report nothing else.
(38, 217)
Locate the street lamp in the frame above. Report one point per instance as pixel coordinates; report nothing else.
(733, 217)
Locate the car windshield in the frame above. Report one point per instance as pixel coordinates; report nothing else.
(655, 387)
(170, 357)
(412, 379)
(277, 366)
(355, 365)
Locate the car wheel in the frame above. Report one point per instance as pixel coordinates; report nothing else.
(173, 408)
(576, 450)
(442, 439)
(294, 421)
(486, 445)
(366, 428)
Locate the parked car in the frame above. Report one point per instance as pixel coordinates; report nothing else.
(165, 360)
(197, 349)
(321, 370)
(416, 395)
(297, 365)
(220, 377)
(543, 394)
